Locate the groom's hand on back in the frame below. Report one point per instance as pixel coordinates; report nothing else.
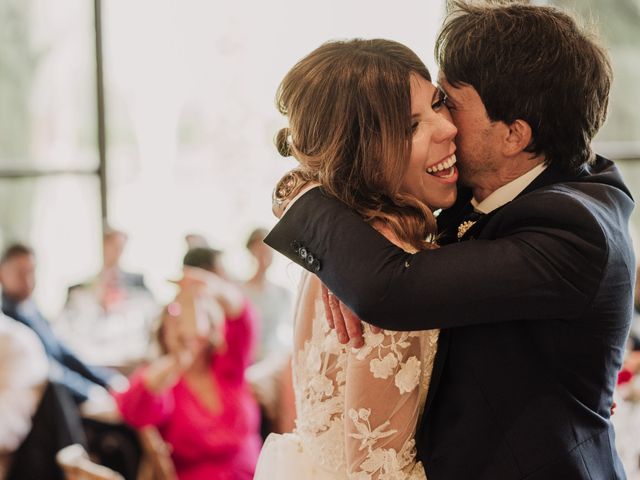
(346, 323)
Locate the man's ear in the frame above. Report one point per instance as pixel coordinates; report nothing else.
(517, 137)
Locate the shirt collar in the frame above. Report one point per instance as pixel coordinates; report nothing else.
(507, 192)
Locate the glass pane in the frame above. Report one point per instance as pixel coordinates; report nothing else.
(59, 216)
(47, 85)
(617, 23)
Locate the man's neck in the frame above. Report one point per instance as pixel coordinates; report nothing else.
(508, 174)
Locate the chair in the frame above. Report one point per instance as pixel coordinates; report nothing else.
(76, 465)
(156, 463)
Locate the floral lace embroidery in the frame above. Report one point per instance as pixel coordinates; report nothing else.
(389, 464)
(319, 381)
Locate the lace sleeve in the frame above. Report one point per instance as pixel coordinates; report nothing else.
(385, 391)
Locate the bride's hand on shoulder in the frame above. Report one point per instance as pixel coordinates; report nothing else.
(347, 324)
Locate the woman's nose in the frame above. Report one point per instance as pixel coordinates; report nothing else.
(446, 130)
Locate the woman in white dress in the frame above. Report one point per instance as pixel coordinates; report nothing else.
(368, 127)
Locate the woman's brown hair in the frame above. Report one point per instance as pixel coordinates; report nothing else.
(349, 110)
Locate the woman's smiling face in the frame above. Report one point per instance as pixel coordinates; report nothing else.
(431, 175)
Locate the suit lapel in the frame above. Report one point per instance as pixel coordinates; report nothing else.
(448, 222)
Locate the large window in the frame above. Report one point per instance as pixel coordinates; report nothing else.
(49, 162)
(189, 122)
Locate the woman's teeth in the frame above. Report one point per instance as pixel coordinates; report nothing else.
(443, 167)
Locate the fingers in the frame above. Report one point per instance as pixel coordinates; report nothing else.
(353, 326)
(338, 319)
(346, 323)
(327, 306)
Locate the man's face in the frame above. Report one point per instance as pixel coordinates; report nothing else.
(18, 277)
(477, 140)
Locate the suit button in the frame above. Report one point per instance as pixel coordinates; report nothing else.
(302, 253)
(295, 245)
(316, 266)
(310, 259)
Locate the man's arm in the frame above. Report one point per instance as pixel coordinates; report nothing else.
(547, 264)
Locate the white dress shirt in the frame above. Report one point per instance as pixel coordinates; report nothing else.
(24, 369)
(508, 192)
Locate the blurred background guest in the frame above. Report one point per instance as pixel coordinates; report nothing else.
(208, 259)
(17, 277)
(195, 392)
(272, 301)
(115, 444)
(107, 318)
(270, 376)
(111, 286)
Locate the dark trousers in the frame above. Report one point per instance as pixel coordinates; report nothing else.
(55, 425)
(114, 446)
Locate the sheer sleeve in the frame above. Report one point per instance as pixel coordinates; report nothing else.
(385, 390)
(386, 386)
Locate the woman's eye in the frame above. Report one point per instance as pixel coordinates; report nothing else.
(442, 101)
(414, 127)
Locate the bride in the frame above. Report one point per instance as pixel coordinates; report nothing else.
(367, 127)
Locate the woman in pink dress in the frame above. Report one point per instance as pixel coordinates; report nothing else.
(195, 392)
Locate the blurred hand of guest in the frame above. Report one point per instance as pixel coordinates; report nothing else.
(100, 405)
(204, 282)
(118, 383)
(182, 351)
(165, 372)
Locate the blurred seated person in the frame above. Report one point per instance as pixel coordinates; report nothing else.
(270, 375)
(18, 280)
(108, 318)
(86, 384)
(112, 285)
(23, 376)
(272, 301)
(195, 392)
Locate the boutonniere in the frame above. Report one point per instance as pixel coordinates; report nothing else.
(464, 227)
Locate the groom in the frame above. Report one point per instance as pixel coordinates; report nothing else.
(534, 292)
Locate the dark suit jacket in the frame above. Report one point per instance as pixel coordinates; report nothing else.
(536, 310)
(67, 369)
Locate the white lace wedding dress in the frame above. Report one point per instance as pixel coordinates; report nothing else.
(357, 410)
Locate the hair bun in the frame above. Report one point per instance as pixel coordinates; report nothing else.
(282, 142)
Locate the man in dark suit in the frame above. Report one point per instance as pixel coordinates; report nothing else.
(534, 292)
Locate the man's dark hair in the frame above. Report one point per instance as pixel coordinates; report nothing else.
(201, 257)
(15, 250)
(532, 63)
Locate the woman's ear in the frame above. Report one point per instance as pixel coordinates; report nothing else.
(517, 137)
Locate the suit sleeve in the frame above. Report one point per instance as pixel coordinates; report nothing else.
(546, 264)
(97, 375)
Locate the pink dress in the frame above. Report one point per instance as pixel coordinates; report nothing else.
(219, 446)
